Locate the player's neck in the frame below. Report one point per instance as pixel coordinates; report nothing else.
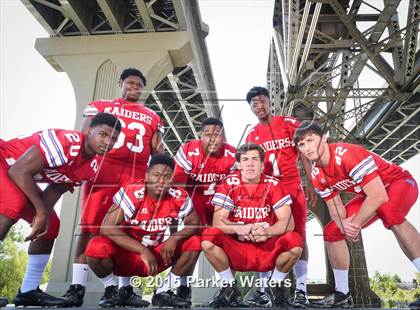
(87, 152)
(324, 157)
(267, 120)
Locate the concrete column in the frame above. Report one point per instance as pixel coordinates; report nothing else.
(93, 64)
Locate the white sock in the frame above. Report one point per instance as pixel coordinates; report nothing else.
(226, 276)
(170, 282)
(34, 271)
(278, 275)
(80, 274)
(341, 278)
(264, 276)
(123, 281)
(109, 280)
(301, 273)
(416, 263)
(183, 280)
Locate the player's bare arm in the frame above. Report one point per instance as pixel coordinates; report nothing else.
(110, 228)
(21, 173)
(156, 145)
(375, 197)
(191, 227)
(310, 190)
(221, 221)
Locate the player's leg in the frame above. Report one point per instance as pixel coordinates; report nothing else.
(288, 249)
(106, 258)
(300, 269)
(96, 201)
(339, 257)
(5, 225)
(184, 257)
(214, 244)
(402, 195)
(39, 252)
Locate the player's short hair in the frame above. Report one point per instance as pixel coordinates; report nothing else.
(132, 71)
(256, 91)
(307, 127)
(162, 159)
(244, 148)
(106, 119)
(211, 121)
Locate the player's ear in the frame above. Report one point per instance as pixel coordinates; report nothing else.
(324, 139)
(89, 130)
(120, 83)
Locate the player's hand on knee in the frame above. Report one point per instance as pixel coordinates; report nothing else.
(150, 261)
(40, 224)
(168, 250)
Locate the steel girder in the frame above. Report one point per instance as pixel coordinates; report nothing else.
(321, 74)
(187, 95)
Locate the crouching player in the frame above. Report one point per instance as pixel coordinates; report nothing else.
(133, 235)
(384, 191)
(252, 228)
(62, 159)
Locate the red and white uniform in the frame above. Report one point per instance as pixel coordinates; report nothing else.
(147, 221)
(281, 158)
(249, 204)
(200, 172)
(125, 163)
(62, 153)
(349, 169)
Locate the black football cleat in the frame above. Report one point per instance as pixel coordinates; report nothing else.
(258, 299)
(37, 298)
(3, 302)
(227, 297)
(110, 298)
(415, 305)
(127, 298)
(74, 295)
(279, 296)
(300, 300)
(169, 299)
(184, 292)
(335, 300)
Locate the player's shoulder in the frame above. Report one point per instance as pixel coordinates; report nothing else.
(178, 194)
(136, 188)
(151, 113)
(62, 135)
(269, 179)
(103, 102)
(229, 150)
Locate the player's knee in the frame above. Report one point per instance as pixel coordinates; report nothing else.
(54, 227)
(295, 252)
(207, 245)
(98, 247)
(332, 233)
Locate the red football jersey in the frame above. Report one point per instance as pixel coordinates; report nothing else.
(62, 152)
(251, 203)
(147, 220)
(201, 171)
(139, 124)
(277, 141)
(350, 168)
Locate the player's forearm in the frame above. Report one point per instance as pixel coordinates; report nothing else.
(282, 226)
(368, 209)
(52, 194)
(226, 226)
(25, 182)
(121, 239)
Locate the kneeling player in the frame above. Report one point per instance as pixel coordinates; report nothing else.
(62, 159)
(252, 228)
(133, 232)
(385, 191)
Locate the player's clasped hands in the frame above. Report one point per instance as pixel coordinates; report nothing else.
(351, 229)
(256, 232)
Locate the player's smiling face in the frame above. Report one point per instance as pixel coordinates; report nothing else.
(132, 88)
(101, 139)
(260, 106)
(251, 166)
(311, 146)
(158, 180)
(212, 139)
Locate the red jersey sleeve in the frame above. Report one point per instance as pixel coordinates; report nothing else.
(91, 109)
(292, 125)
(59, 147)
(222, 197)
(324, 192)
(357, 162)
(278, 196)
(183, 202)
(182, 160)
(129, 197)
